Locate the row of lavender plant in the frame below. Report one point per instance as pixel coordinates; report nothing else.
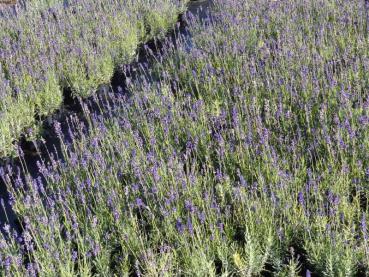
(17, 6)
(76, 45)
(249, 155)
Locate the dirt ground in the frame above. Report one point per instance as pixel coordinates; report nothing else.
(6, 3)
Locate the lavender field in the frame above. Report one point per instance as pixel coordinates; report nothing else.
(239, 146)
(72, 45)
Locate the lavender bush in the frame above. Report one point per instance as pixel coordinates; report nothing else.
(243, 152)
(76, 45)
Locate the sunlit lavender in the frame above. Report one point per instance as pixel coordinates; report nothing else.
(50, 46)
(241, 150)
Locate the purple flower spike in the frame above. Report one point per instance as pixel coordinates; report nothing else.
(179, 226)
